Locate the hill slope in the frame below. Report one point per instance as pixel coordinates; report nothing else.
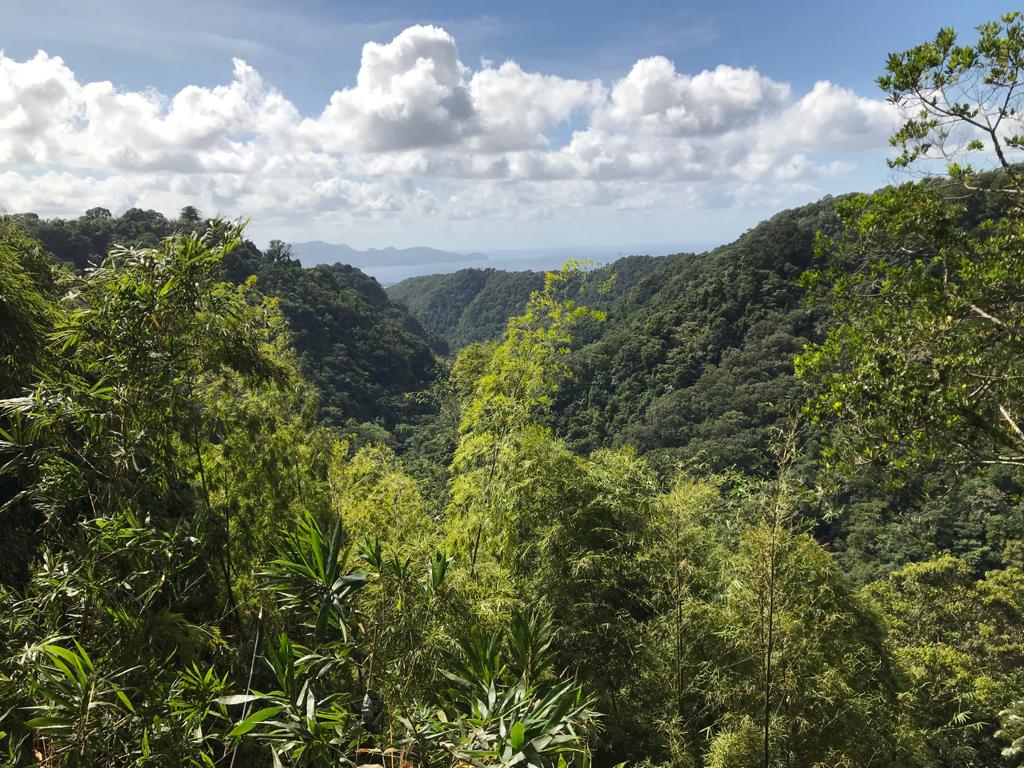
(363, 352)
(696, 361)
(475, 304)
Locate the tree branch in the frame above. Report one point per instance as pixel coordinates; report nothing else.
(1013, 424)
(982, 313)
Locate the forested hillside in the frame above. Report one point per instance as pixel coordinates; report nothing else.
(760, 506)
(475, 304)
(365, 355)
(694, 360)
(696, 363)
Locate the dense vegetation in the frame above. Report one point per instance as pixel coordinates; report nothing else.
(695, 360)
(694, 366)
(365, 355)
(473, 305)
(757, 507)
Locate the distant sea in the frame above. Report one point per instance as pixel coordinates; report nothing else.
(530, 260)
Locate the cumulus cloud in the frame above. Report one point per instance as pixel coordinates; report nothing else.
(420, 132)
(655, 98)
(415, 93)
(53, 119)
(517, 108)
(831, 118)
(410, 92)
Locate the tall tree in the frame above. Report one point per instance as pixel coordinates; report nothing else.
(922, 362)
(509, 388)
(958, 643)
(958, 99)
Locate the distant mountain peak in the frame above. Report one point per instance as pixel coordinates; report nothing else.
(319, 252)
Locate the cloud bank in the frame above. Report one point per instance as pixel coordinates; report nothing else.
(421, 133)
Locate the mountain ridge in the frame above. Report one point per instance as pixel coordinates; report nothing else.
(475, 304)
(314, 252)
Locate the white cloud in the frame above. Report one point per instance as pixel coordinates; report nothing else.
(831, 118)
(420, 133)
(654, 98)
(36, 96)
(409, 93)
(517, 108)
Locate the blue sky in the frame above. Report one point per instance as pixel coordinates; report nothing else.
(587, 138)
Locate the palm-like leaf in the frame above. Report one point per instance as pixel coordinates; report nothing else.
(77, 702)
(311, 573)
(507, 714)
(297, 723)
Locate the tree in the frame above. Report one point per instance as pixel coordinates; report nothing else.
(958, 644)
(189, 215)
(26, 319)
(957, 99)
(921, 363)
(278, 251)
(804, 679)
(498, 701)
(106, 452)
(266, 462)
(505, 705)
(581, 535)
(25, 312)
(509, 389)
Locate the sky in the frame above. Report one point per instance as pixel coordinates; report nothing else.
(471, 126)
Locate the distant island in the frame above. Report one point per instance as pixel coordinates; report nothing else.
(319, 252)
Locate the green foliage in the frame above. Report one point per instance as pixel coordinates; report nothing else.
(920, 365)
(207, 570)
(958, 642)
(506, 713)
(76, 703)
(978, 518)
(26, 317)
(1011, 730)
(958, 99)
(376, 499)
(311, 573)
(585, 532)
(467, 306)
(363, 354)
(695, 362)
(266, 462)
(300, 723)
(521, 374)
(830, 693)
(771, 656)
(474, 305)
(107, 450)
(87, 240)
(25, 314)
(491, 711)
(508, 388)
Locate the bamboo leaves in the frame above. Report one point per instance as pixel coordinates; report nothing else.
(312, 573)
(76, 700)
(494, 713)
